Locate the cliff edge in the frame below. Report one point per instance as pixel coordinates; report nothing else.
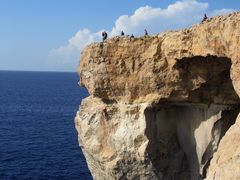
(163, 106)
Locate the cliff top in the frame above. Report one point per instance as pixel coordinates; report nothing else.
(154, 68)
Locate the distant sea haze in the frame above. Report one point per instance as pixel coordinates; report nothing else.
(38, 139)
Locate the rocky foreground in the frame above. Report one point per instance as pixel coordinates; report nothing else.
(163, 106)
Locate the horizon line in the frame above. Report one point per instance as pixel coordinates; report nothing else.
(39, 71)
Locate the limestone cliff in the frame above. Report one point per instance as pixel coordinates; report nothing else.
(159, 105)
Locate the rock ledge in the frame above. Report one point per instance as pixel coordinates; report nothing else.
(159, 106)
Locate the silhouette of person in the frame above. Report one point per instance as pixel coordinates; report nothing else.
(104, 35)
(204, 18)
(145, 31)
(122, 33)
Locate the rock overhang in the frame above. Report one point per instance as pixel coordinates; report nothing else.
(138, 85)
(146, 68)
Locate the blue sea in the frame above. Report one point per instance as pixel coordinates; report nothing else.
(38, 139)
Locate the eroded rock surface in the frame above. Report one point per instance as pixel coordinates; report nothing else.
(226, 161)
(160, 105)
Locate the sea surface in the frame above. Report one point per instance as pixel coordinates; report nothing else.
(38, 139)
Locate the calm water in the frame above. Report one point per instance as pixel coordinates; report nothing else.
(38, 139)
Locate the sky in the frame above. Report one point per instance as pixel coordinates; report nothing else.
(49, 35)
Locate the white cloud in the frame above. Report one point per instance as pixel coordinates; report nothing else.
(66, 58)
(79, 41)
(156, 19)
(178, 15)
(220, 12)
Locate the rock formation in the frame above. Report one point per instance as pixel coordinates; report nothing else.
(159, 106)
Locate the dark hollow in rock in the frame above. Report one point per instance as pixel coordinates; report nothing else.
(212, 76)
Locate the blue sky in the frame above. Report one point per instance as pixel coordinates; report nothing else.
(48, 35)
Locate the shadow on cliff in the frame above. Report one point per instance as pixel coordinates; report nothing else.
(211, 76)
(184, 136)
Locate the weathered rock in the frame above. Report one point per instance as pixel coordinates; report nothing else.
(159, 105)
(226, 161)
(144, 68)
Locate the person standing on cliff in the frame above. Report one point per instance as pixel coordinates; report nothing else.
(145, 32)
(122, 33)
(204, 18)
(104, 35)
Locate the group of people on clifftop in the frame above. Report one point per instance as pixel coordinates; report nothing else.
(104, 33)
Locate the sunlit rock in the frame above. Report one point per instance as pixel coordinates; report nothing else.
(159, 106)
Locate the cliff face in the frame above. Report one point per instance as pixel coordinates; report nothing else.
(160, 105)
